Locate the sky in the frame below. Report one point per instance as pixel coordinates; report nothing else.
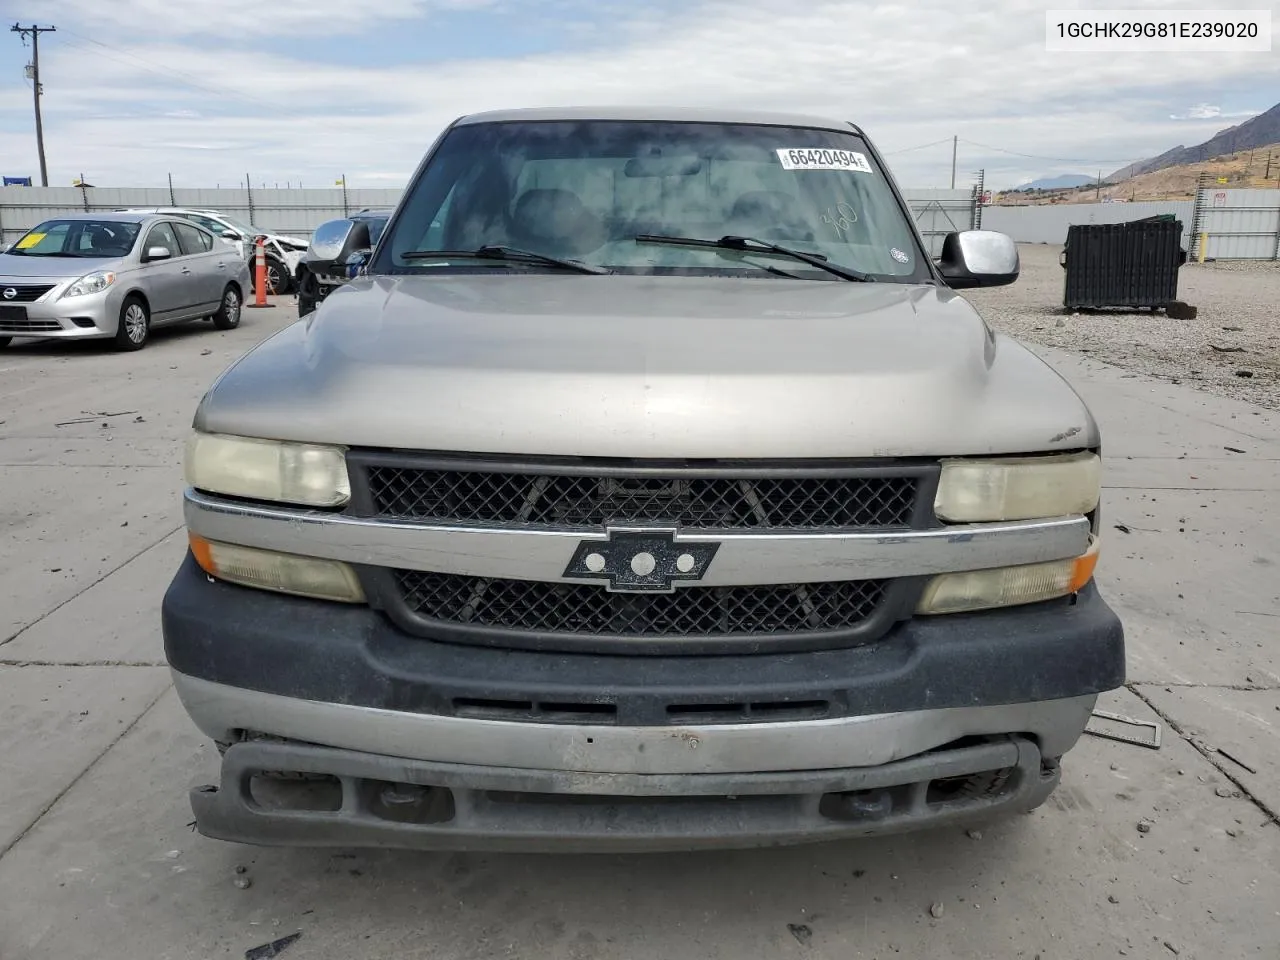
(305, 91)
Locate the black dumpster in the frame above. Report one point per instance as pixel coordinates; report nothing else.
(1132, 264)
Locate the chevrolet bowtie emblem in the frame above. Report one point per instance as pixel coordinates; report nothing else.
(641, 561)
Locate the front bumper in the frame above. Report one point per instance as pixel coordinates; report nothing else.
(75, 318)
(356, 700)
(367, 800)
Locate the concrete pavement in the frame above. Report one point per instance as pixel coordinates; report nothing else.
(97, 859)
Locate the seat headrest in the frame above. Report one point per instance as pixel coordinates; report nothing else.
(556, 222)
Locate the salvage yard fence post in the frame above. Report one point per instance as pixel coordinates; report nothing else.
(979, 191)
(1199, 238)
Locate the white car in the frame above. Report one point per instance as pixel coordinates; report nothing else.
(283, 252)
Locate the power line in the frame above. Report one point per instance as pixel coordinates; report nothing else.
(157, 69)
(922, 146)
(34, 32)
(1032, 156)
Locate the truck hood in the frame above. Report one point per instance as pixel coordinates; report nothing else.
(648, 367)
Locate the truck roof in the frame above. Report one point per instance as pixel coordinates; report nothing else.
(660, 113)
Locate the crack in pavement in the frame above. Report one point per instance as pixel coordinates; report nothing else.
(1273, 816)
(48, 613)
(1170, 684)
(82, 663)
(1107, 486)
(81, 775)
(91, 466)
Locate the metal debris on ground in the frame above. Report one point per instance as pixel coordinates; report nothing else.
(1237, 761)
(1233, 450)
(1151, 742)
(273, 949)
(1217, 349)
(802, 932)
(1122, 528)
(1144, 826)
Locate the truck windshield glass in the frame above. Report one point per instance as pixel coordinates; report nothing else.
(585, 190)
(78, 238)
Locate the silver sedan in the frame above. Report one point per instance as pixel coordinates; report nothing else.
(117, 276)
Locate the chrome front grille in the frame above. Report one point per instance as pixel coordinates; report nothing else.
(536, 604)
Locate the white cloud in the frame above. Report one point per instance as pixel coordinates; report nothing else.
(908, 74)
(1208, 111)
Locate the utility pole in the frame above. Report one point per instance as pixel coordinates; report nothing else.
(34, 32)
(955, 143)
(1097, 191)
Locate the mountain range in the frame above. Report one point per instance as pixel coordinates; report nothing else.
(1063, 182)
(1262, 130)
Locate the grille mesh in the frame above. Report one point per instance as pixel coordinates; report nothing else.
(29, 326)
(593, 501)
(590, 610)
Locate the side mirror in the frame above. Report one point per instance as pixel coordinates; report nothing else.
(978, 258)
(231, 235)
(356, 261)
(158, 253)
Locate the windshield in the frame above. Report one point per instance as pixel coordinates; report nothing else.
(100, 239)
(376, 226)
(586, 190)
(219, 227)
(245, 229)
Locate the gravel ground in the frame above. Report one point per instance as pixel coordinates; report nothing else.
(1239, 312)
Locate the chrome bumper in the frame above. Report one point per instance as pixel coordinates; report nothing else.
(620, 751)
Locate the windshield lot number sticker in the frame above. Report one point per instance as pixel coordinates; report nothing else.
(813, 158)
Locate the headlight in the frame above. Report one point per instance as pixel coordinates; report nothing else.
(1008, 586)
(1018, 488)
(93, 283)
(300, 473)
(281, 572)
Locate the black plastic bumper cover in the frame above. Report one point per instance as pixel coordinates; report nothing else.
(335, 653)
(487, 808)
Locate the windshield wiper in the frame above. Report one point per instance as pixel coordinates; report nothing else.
(499, 252)
(752, 245)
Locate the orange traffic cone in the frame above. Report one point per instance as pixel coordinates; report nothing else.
(260, 276)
